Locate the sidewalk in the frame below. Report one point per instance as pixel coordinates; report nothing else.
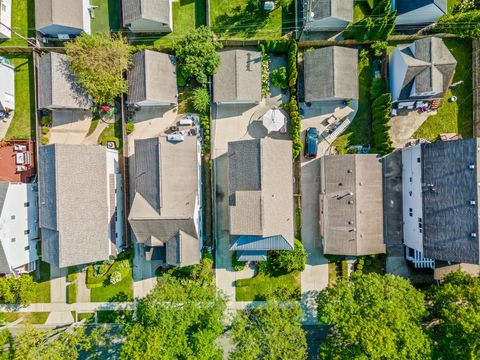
(79, 307)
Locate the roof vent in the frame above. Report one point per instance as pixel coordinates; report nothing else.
(350, 202)
(340, 184)
(349, 171)
(472, 202)
(471, 166)
(473, 235)
(350, 222)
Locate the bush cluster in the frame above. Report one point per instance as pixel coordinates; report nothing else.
(463, 24)
(278, 78)
(344, 270)
(129, 127)
(17, 290)
(289, 260)
(205, 125)
(237, 265)
(115, 277)
(381, 110)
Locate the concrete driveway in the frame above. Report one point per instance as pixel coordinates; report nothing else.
(403, 126)
(69, 127)
(315, 276)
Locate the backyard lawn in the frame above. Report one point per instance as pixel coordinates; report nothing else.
(456, 117)
(359, 131)
(23, 122)
(264, 285)
(187, 15)
(232, 19)
(23, 22)
(43, 284)
(107, 16)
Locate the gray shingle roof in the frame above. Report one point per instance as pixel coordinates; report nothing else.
(67, 13)
(58, 88)
(331, 72)
(341, 9)
(166, 193)
(154, 10)
(405, 6)
(449, 220)
(153, 79)
(351, 205)
(260, 194)
(239, 76)
(430, 68)
(74, 219)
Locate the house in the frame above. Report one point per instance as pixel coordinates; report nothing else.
(260, 197)
(421, 71)
(80, 206)
(18, 227)
(166, 211)
(5, 19)
(152, 80)
(62, 18)
(59, 90)
(238, 79)
(441, 203)
(331, 73)
(7, 85)
(148, 16)
(327, 15)
(418, 12)
(351, 205)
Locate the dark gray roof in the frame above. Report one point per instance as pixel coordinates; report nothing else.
(59, 88)
(154, 10)
(351, 205)
(449, 184)
(166, 194)
(340, 9)
(4, 266)
(239, 76)
(251, 255)
(260, 194)
(74, 219)
(67, 13)
(331, 72)
(430, 68)
(153, 78)
(405, 6)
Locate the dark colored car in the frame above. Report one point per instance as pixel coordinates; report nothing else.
(311, 142)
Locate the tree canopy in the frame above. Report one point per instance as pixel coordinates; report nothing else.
(373, 317)
(180, 319)
(197, 55)
(456, 317)
(17, 290)
(290, 260)
(98, 62)
(463, 24)
(269, 332)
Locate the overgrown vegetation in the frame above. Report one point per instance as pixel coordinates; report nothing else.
(201, 100)
(237, 265)
(381, 111)
(377, 26)
(289, 260)
(278, 78)
(462, 24)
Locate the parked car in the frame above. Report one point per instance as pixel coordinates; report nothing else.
(311, 143)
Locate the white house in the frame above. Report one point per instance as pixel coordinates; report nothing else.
(18, 227)
(5, 19)
(327, 15)
(418, 12)
(148, 16)
(440, 202)
(7, 85)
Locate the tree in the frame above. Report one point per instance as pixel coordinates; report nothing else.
(201, 100)
(180, 319)
(17, 290)
(6, 345)
(269, 332)
(278, 78)
(456, 317)
(290, 260)
(99, 62)
(197, 55)
(463, 24)
(373, 317)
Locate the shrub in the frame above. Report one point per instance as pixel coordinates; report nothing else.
(265, 75)
(44, 140)
(17, 290)
(115, 277)
(46, 120)
(205, 126)
(379, 47)
(463, 24)
(290, 260)
(45, 130)
(71, 293)
(108, 139)
(344, 270)
(129, 127)
(201, 100)
(278, 78)
(381, 110)
(72, 274)
(368, 261)
(237, 265)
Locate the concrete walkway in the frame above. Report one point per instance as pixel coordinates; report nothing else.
(58, 284)
(79, 307)
(83, 293)
(4, 125)
(92, 139)
(60, 318)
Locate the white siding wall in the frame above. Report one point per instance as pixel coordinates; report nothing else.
(198, 203)
(114, 168)
(398, 69)
(6, 18)
(7, 86)
(412, 197)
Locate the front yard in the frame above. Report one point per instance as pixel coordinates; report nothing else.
(107, 16)
(43, 284)
(454, 117)
(28, 317)
(23, 122)
(235, 19)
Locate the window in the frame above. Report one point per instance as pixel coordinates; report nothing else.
(26, 232)
(27, 204)
(410, 179)
(410, 211)
(13, 239)
(27, 248)
(410, 193)
(4, 7)
(420, 230)
(418, 160)
(13, 217)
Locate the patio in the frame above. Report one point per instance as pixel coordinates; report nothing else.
(17, 162)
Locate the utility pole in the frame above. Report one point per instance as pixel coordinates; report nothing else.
(30, 42)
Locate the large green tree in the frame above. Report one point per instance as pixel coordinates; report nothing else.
(197, 55)
(180, 319)
(456, 317)
(99, 62)
(373, 317)
(269, 332)
(17, 290)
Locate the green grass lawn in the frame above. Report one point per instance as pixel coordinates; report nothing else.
(230, 19)
(187, 15)
(107, 16)
(23, 22)
(43, 284)
(360, 10)
(89, 317)
(454, 117)
(359, 132)
(263, 285)
(23, 122)
(29, 317)
(121, 291)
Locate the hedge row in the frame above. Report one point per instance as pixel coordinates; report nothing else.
(205, 125)
(71, 293)
(381, 110)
